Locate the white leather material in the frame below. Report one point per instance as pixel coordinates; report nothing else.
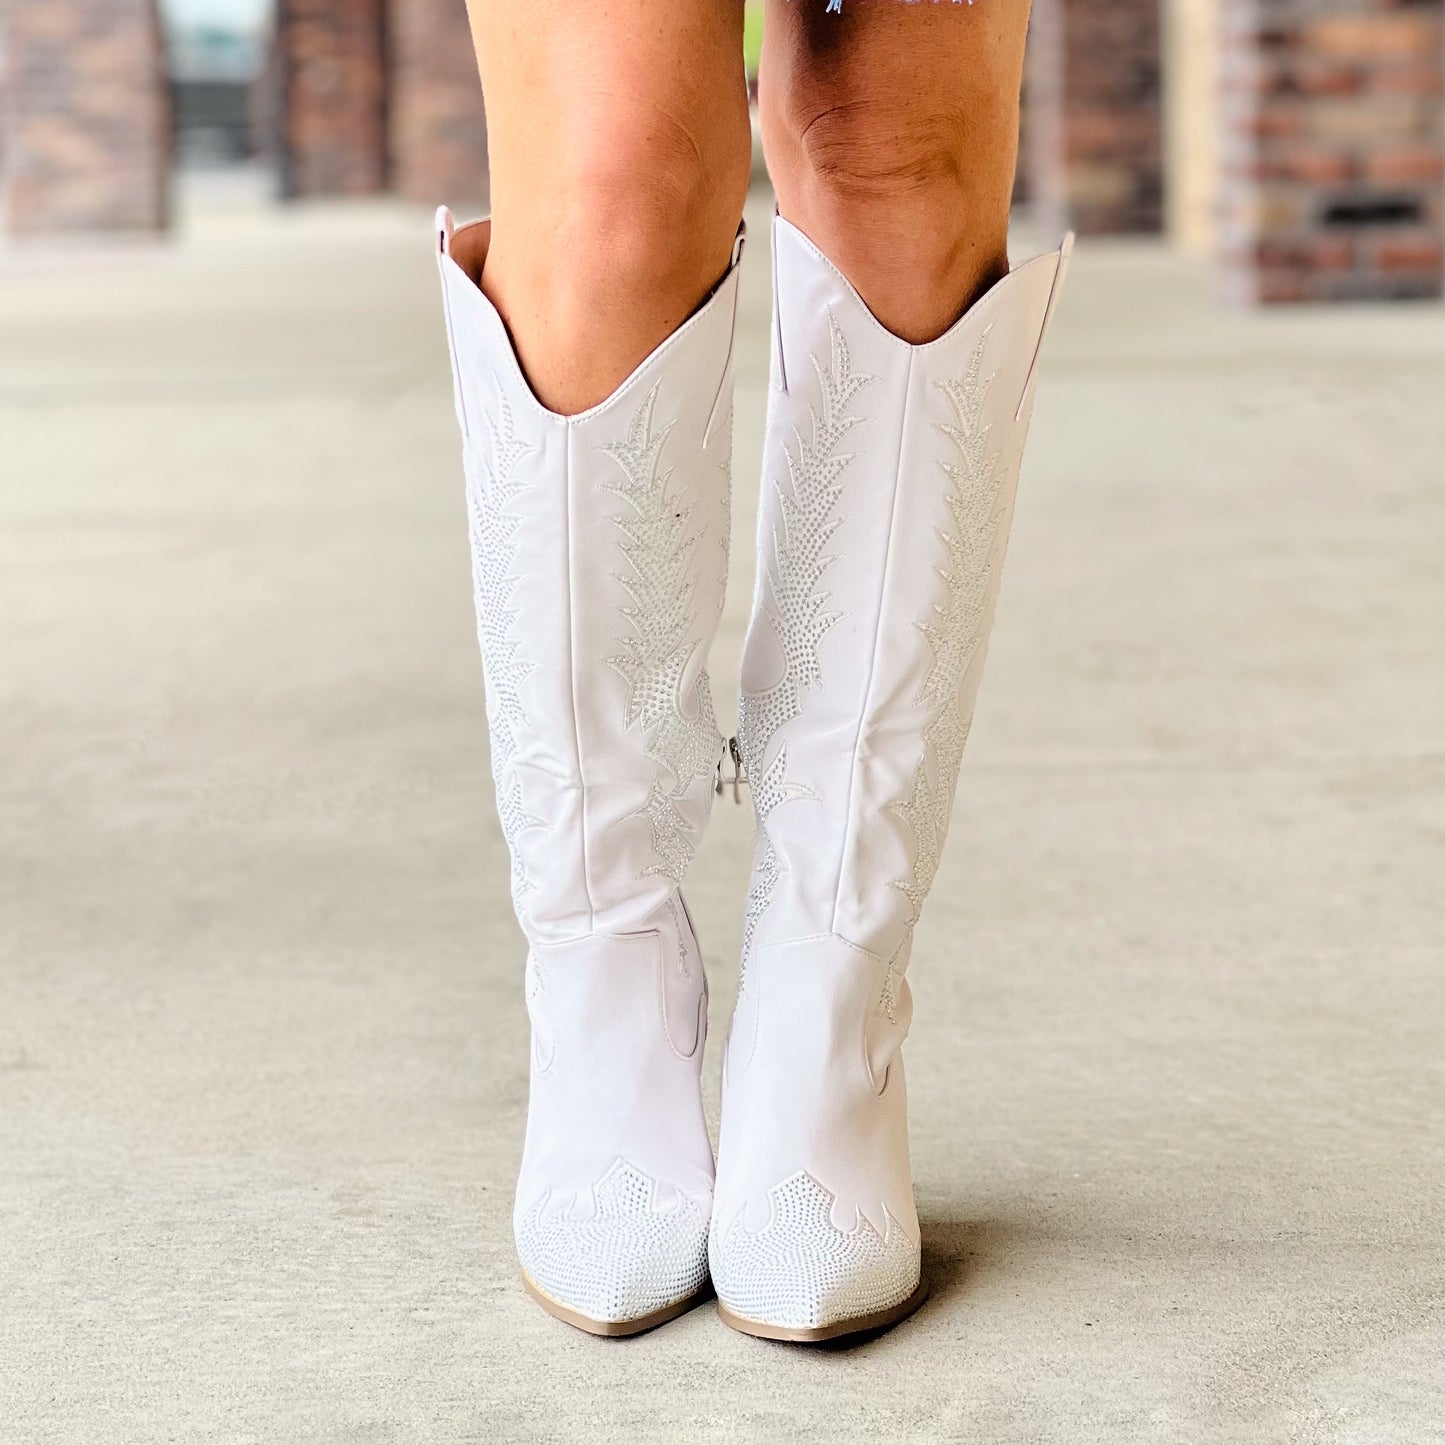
(599, 556)
(616, 1183)
(888, 488)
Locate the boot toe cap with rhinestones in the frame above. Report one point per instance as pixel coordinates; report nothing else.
(802, 1277)
(622, 1255)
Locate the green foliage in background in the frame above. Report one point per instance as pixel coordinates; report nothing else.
(752, 36)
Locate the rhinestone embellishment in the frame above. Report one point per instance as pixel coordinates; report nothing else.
(801, 1270)
(660, 537)
(793, 602)
(492, 528)
(616, 1253)
(957, 631)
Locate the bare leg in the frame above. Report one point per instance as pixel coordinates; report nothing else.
(891, 134)
(619, 145)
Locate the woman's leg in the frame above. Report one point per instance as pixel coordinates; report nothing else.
(889, 470)
(618, 134)
(599, 545)
(891, 134)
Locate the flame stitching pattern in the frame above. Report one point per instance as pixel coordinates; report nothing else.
(956, 633)
(794, 603)
(492, 527)
(660, 539)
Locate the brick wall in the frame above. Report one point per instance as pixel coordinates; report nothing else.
(331, 72)
(438, 127)
(1333, 149)
(84, 118)
(1094, 129)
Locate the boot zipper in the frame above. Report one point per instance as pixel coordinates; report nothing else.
(738, 778)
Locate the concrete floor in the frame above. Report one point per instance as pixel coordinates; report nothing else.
(1179, 1065)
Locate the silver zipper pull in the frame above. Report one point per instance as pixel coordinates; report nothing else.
(738, 778)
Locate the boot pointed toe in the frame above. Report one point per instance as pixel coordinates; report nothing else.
(802, 1277)
(625, 1260)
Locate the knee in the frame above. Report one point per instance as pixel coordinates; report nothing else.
(872, 152)
(887, 165)
(647, 208)
(888, 186)
(607, 249)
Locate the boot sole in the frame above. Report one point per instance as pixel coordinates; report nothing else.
(839, 1329)
(612, 1329)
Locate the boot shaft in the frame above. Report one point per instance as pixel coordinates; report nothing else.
(599, 556)
(888, 488)
(888, 492)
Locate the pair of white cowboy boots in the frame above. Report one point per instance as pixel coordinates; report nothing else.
(599, 553)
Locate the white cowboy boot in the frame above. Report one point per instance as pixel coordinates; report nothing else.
(599, 555)
(888, 487)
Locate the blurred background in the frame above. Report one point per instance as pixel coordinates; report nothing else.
(1178, 1108)
(1295, 142)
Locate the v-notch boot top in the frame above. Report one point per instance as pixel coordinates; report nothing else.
(888, 489)
(599, 557)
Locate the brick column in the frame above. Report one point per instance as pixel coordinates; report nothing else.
(438, 127)
(1333, 149)
(332, 73)
(1094, 130)
(85, 119)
